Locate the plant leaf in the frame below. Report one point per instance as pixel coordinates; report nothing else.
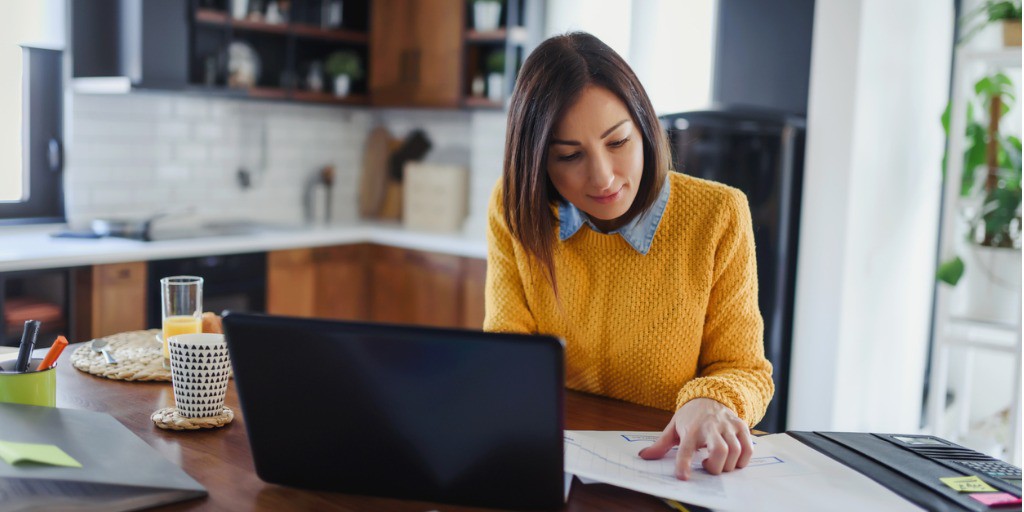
(950, 271)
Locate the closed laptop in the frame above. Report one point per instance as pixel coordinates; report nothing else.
(442, 415)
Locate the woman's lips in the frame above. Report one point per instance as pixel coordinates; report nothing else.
(610, 198)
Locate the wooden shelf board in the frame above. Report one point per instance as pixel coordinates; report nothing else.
(326, 97)
(211, 16)
(490, 36)
(339, 35)
(267, 92)
(476, 102)
(260, 26)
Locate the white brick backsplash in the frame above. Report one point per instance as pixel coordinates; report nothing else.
(191, 108)
(172, 130)
(172, 172)
(208, 132)
(131, 155)
(191, 152)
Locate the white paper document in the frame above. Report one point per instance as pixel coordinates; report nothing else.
(783, 474)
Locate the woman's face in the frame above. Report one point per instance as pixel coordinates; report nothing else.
(595, 158)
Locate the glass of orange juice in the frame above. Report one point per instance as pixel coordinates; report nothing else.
(182, 301)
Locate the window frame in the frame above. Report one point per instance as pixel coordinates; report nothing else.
(42, 147)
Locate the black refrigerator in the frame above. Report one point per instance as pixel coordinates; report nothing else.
(760, 152)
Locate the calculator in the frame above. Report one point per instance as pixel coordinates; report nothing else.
(994, 468)
(958, 457)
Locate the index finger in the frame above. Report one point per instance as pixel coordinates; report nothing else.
(664, 443)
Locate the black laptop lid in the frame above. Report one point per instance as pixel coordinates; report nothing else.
(408, 412)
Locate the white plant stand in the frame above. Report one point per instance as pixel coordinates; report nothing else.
(960, 336)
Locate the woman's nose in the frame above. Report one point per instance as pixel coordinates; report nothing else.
(602, 175)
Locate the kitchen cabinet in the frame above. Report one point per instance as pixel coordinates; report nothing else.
(289, 49)
(109, 299)
(416, 287)
(474, 277)
(416, 52)
(322, 282)
(200, 46)
(41, 295)
(377, 283)
(117, 45)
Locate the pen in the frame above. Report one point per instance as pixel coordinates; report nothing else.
(28, 342)
(53, 353)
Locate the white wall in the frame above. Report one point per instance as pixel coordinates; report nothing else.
(668, 43)
(879, 81)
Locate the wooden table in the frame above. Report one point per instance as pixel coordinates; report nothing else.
(221, 461)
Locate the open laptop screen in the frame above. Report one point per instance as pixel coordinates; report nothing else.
(421, 413)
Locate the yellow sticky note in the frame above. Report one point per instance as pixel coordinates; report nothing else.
(967, 484)
(50, 454)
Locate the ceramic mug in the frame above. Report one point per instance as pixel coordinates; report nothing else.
(200, 370)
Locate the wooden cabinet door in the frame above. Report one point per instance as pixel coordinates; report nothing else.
(110, 299)
(342, 279)
(414, 287)
(435, 282)
(291, 282)
(390, 300)
(416, 52)
(474, 278)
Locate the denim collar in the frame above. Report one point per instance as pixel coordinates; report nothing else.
(638, 232)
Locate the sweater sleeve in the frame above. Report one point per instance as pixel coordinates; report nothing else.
(732, 368)
(505, 305)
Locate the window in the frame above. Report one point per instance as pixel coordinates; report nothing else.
(31, 113)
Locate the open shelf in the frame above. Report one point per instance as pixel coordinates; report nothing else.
(326, 97)
(337, 35)
(478, 102)
(490, 36)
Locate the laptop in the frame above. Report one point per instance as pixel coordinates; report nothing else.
(441, 415)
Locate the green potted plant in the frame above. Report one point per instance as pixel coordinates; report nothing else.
(494, 66)
(1007, 12)
(990, 207)
(344, 67)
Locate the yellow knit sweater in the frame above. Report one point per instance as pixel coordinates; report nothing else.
(660, 329)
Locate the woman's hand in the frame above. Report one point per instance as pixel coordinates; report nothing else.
(704, 423)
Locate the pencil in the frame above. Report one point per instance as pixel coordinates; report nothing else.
(675, 505)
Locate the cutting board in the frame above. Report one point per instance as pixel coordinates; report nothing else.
(374, 180)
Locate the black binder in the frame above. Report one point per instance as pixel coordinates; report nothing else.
(911, 466)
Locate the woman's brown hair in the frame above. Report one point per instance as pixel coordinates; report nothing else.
(550, 81)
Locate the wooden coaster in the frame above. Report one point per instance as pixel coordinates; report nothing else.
(168, 418)
(138, 353)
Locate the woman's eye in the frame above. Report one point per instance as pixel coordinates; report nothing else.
(568, 158)
(619, 143)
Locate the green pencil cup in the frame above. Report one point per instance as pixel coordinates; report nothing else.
(29, 388)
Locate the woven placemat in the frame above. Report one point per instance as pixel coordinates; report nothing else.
(138, 353)
(168, 418)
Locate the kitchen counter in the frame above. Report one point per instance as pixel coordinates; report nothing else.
(29, 248)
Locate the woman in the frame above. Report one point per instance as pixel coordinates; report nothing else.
(648, 276)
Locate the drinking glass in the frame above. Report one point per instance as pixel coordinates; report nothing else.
(182, 300)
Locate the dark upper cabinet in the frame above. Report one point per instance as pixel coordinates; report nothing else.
(131, 43)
